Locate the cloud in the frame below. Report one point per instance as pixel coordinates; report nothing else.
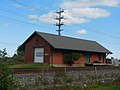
(48, 18)
(79, 11)
(89, 12)
(89, 3)
(33, 18)
(73, 16)
(81, 31)
(19, 6)
(69, 19)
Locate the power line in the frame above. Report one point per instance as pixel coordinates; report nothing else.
(27, 5)
(18, 14)
(9, 43)
(68, 31)
(24, 22)
(84, 25)
(100, 32)
(98, 39)
(96, 31)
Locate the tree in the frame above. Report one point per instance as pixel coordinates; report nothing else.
(6, 80)
(3, 53)
(18, 57)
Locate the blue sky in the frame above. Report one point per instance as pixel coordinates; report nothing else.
(97, 20)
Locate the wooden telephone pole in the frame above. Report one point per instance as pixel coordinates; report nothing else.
(59, 18)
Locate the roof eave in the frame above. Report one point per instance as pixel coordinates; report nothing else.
(22, 46)
(83, 50)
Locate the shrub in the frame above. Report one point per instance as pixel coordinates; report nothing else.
(68, 78)
(6, 80)
(75, 56)
(18, 58)
(69, 58)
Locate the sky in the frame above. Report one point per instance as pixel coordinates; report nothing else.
(96, 20)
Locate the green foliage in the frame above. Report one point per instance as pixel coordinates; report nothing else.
(6, 80)
(3, 56)
(18, 58)
(75, 56)
(68, 78)
(3, 53)
(69, 58)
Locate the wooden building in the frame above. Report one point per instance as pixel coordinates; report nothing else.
(48, 48)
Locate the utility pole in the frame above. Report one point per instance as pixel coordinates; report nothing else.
(59, 18)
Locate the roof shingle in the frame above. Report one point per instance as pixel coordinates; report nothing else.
(63, 42)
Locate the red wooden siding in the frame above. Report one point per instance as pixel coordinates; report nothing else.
(94, 57)
(58, 57)
(97, 57)
(53, 56)
(37, 41)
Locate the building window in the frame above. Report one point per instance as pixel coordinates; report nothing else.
(39, 54)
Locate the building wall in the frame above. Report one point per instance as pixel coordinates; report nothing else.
(97, 57)
(94, 57)
(53, 57)
(58, 60)
(37, 41)
(57, 57)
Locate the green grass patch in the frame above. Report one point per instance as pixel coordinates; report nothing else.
(90, 87)
(106, 86)
(102, 87)
(35, 65)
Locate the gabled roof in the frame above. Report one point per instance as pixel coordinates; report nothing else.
(68, 43)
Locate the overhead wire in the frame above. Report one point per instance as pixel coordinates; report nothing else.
(8, 43)
(96, 31)
(100, 32)
(101, 39)
(24, 22)
(28, 5)
(20, 14)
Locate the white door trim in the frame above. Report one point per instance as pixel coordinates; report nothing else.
(39, 55)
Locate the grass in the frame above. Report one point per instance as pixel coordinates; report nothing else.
(91, 87)
(34, 65)
(109, 86)
(102, 87)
